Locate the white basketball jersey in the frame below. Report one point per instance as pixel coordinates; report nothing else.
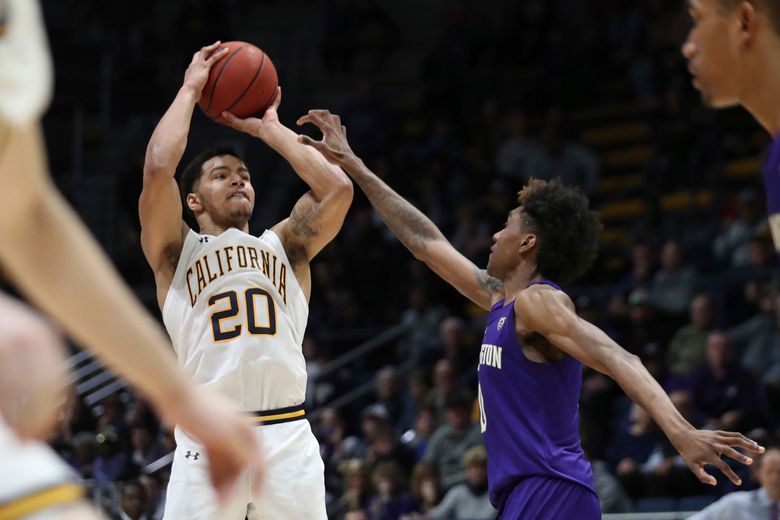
(236, 316)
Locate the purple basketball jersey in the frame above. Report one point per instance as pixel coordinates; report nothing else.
(529, 411)
(772, 184)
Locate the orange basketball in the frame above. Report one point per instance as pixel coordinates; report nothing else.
(242, 82)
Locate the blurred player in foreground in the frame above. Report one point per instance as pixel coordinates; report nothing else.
(530, 363)
(732, 51)
(52, 259)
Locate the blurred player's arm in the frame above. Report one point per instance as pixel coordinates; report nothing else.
(319, 214)
(416, 231)
(549, 312)
(52, 258)
(160, 208)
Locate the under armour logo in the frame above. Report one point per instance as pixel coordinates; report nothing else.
(500, 323)
(191, 454)
(203, 239)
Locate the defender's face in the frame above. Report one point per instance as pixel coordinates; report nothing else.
(225, 190)
(712, 51)
(504, 255)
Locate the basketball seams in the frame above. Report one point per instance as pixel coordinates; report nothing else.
(219, 75)
(252, 82)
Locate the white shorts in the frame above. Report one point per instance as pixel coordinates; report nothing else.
(294, 487)
(32, 478)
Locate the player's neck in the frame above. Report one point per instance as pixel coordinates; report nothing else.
(761, 93)
(523, 276)
(208, 227)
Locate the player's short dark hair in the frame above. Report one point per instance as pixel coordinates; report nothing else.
(194, 170)
(770, 7)
(567, 230)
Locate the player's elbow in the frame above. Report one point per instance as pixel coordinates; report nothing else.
(344, 189)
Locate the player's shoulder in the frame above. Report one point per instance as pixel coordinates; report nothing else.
(542, 294)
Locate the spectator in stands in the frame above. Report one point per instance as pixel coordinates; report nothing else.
(757, 340)
(632, 449)
(133, 503)
(563, 158)
(642, 269)
(425, 486)
(452, 439)
(688, 347)
(722, 390)
(111, 463)
(470, 500)
(731, 246)
(113, 415)
(611, 494)
(390, 501)
(387, 392)
(425, 318)
(356, 489)
(83, 458)
(329, 431)
(646, 331)
(386, 446)
(418, 437)
(155, 496)
(674, 283)
(145, 449)
(760, 504)
(443, 386)
(416, 397)
(455, 347)
(517, 152)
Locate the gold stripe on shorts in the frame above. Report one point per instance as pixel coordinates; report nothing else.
(36, 502)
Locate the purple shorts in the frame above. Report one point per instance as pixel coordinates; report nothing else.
(543, 498)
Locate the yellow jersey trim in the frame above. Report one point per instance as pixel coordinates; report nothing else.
(36, 502)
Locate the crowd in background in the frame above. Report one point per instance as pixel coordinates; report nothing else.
(455, 111)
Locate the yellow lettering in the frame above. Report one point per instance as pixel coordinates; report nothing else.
(208, 269)
(253, 258)
(283, 283)
(241, 253)
(201, 279)
(229, 257)
(193, 298)
(266, 262)
(219, 262)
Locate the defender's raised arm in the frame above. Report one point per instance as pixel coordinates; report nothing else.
(416, 231)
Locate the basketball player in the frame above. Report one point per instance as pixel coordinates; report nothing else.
(48, 253)
(732, 52)
(530, 364)
(236, 305)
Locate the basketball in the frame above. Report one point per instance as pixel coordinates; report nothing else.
(242, 82)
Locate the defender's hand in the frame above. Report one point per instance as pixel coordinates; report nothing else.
(700, 447)
(228, 437)
(334, 145)
(198, 72)
(255, 126)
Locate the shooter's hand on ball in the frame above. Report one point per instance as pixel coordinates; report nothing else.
(197, 73)
(255, 126)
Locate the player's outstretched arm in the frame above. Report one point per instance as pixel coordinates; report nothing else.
(160, 206)
(543, 310)
(319, 214)
(416, 231)
(52, 258)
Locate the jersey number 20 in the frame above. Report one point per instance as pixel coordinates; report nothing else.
(263, 325)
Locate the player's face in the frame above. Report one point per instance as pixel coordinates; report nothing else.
(225, 190)
(712, 50)
(505, 253)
